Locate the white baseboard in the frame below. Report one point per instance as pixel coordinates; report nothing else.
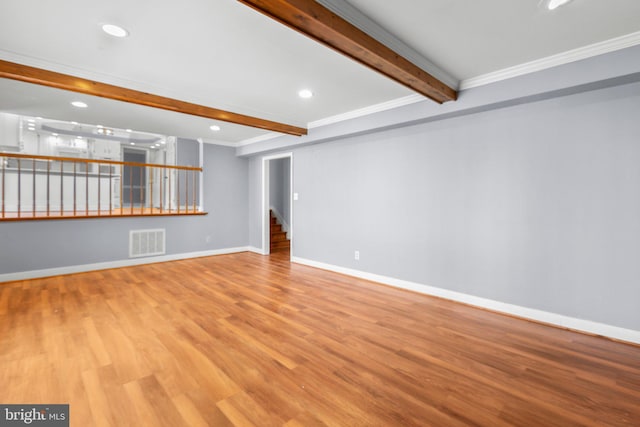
(258, 251)
(587, 326)
(48, 272)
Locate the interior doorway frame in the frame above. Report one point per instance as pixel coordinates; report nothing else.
(266, 248)
(142, 150)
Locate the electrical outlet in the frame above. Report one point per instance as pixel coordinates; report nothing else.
(356, 255)
(207, 239)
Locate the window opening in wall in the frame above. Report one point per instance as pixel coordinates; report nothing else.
(51, 169)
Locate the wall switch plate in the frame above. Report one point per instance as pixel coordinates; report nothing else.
(356, 255)
(295, 196)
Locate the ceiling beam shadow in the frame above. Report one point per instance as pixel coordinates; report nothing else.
(319, 23)
(39, 76)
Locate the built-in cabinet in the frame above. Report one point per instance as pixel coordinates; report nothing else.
(106, 150)
(9, 132)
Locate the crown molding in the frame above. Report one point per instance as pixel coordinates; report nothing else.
(376, 108)
(218, 142)
(578, 54)
(255, 139)
(353, 114)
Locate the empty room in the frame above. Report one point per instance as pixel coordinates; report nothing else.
(320, 213)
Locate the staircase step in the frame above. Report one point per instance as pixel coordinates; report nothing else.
(279, 236)
(279, 240)
(276, 228)
(283, 244)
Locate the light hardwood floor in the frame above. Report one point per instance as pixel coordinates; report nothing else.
(247, 340)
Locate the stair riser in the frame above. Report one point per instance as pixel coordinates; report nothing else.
(276, 228)
(278, 237)
(281, 245)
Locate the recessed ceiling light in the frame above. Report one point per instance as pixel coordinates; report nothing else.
(74, 123)
(39, 118)
(214, 128)
(305, 93)
(115, 30)
(132, 143)
(99, 126)
(54, 134)
(554, 4)
(129, 130)
(31, 120)
(79, 104)
(163, 142)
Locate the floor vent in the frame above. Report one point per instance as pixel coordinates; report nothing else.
(146, 242)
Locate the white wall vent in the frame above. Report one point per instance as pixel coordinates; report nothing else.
(146, 242)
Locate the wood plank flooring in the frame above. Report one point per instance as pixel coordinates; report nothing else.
(247, 340)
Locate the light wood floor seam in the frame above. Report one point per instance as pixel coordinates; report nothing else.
(247, 340)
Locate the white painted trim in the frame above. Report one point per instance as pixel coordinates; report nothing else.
(530, 67)
(265, 199)
(256, 250)
(578, 54)
(376, 108)
(48, 272)
(259, 138)
(588, 326)
(353, 114)
(218, 142)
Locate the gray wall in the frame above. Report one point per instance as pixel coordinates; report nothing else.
(536, 205)
(34, 245)
(279, 190)
(255, 202)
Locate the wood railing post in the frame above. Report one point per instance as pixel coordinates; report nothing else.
(61, 188)
(33, 185)
(48, 187)
(3, 184)
(75, 199)
(19, 188)
(99, 187)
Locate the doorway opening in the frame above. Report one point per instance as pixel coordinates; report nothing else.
(134, 178)
(277, 205)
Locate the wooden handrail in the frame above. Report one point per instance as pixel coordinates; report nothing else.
(85, 202)
(102, 162)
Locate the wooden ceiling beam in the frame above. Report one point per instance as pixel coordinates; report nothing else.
(24, 73)
(319, 23)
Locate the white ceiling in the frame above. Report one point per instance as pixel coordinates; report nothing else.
(223, 54)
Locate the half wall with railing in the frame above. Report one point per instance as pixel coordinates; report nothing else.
(50, 187)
